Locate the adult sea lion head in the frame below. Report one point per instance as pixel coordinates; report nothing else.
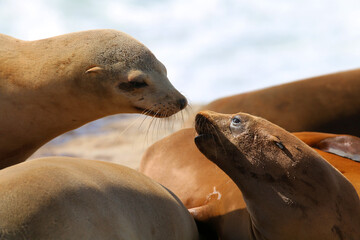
(123, 71)
(290, 191)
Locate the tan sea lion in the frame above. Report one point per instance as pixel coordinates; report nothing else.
(212, 197)
(328, 103)
(290, 191)
(51, 86)
(65, 198)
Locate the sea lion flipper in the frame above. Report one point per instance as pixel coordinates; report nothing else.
(200, 213)
(344, 146)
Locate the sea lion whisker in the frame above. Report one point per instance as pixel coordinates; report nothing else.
(145, 117)
(151, 122)
(189, 108)
(129, 126)
(165, 124)
(153, 129)
(150, 119)
(182, 118)
(170, 122)
(159, 124)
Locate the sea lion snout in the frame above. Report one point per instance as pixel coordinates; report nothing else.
(213, 130)
(182, 102)
(205, 119)
(201, 121)
(204, 129)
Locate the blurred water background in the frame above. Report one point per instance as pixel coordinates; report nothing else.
(211, 48)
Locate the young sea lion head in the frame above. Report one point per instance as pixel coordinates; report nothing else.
(131, 75)
(243, 144)
(272, 168)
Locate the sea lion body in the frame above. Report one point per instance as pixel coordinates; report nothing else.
(65, 198)
(210, 194)
(328, 103)
(176, 163)
(54, 85)
(290, 191)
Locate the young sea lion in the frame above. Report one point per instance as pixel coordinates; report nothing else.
(290, 191)
(66, 198)
(212, 197)
(51, 86)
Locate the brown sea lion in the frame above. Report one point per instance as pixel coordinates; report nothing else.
(328, 103)
(342, 145)
(51, 86)
(65, 198)
(290, 191)
(213, 198)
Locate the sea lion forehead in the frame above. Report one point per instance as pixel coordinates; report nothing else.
(222, 120)
(239, 125)
(119, 47)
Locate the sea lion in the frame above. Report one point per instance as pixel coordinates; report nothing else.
(213, 198)
(65, 198)
(342, 145)
(290, 191)
(328, 103)
(51, 86)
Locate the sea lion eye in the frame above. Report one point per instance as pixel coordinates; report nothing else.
(138, 80)
(138, 84)
(131, 86)
(235, 121)
(236, 125)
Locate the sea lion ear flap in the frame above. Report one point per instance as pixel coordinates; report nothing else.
(277, 142)
(94, 69)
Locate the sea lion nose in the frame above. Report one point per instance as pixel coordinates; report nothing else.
(182, 103)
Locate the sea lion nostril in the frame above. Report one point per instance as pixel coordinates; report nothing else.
(182, 103)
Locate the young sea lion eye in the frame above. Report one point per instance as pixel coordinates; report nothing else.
(236, 125)
(235, 121)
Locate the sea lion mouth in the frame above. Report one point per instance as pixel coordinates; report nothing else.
(203, 125)
(202, 137)
(205, 130)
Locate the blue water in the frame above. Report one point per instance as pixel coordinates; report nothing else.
(211, 48)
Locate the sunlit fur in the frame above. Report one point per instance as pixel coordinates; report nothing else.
(54, 85)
